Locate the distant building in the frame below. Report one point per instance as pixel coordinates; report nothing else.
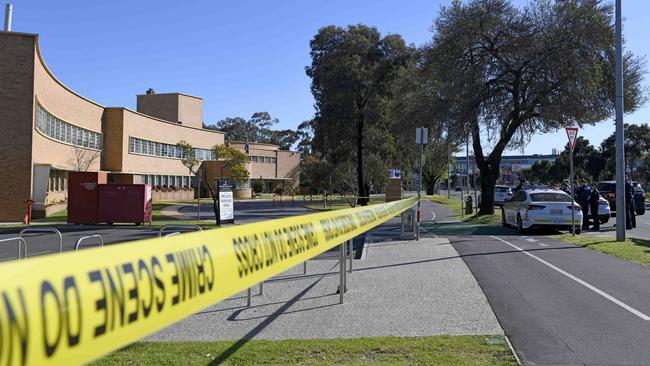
(510, 169)
(49, 130)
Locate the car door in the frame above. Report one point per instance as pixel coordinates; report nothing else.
(512, 207)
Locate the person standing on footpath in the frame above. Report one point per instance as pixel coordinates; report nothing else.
(594, 197)
(630, 218)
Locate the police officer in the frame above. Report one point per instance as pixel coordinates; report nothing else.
(594, 197)
(630, 218)
(582, 196)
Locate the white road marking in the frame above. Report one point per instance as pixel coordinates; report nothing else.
(531, 240)
(542, 244)
(587, 285)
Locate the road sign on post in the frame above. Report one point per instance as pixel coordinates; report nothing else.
(421, 138)
(572, 134)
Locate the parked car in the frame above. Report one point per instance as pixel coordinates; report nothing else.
(502, 194)
(541, 208)
(608, 190)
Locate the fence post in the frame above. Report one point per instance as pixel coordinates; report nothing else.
(351, 243)
(342, 284)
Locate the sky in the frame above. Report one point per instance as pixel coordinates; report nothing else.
(241, 56)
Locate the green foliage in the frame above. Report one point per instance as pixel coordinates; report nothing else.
(352, 73)
(256, 129)
(258, 185)
(509, 73)
(188, 159)
(235, 161)
(637, 144)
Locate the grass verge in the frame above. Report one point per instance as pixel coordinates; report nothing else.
(456, 208)
(633, 249)
(437, 350)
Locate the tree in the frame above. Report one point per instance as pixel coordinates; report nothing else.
(586, 162)
(637, 143)
(233, 159)
(541, 171)
(256, 129)
(352, 70)
(84, 158)
(510, 73)
(306, 138)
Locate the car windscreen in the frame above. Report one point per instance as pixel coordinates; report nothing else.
(607, 187)
(550, 197)
(502, 189)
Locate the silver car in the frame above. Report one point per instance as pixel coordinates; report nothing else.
(502, 194)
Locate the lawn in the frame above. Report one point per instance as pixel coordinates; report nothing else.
(633, 249)
(455, 207)
(437, 350)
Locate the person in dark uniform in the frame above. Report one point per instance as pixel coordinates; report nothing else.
(582, 196)
(519, 187)
(630, 217)
(594, 197)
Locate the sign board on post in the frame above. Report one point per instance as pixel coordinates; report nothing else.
(572, 134)
(226, 201)
(421, 135)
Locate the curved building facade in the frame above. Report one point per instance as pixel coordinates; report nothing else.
(49, 130)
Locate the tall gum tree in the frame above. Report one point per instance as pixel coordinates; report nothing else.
(352, 71)
(511, 73)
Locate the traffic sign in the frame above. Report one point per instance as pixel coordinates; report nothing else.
(572, 134)
(421, 135)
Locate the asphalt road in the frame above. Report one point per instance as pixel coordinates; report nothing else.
(559, 304)
(46, 243)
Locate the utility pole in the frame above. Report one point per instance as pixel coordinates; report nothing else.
(620, 138)
(421, 137)
(448, 171)
(467, 167)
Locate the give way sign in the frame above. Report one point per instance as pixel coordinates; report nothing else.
(572, 134)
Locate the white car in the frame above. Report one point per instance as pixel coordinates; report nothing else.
(541, 208)
(502, 194)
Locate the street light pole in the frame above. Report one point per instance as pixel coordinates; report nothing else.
(620, 138)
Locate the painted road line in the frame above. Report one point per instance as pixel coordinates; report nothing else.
(576, 279)
(531, 240)
(542, 244)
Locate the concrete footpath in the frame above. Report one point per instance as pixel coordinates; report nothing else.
(398, 288)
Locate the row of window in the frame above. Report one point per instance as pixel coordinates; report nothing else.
(179, 181)
(145, 147)
(58, 181)
(262, 159)
(66, 132)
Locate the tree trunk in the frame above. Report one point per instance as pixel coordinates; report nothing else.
(489, 176)
(363, 194)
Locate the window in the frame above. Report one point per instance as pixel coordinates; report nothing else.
(65, 132)
(144, 147)
(550, 197)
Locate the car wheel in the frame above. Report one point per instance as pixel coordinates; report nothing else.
(640, 212)
(604, 220)
(520, 224)
(578, 231)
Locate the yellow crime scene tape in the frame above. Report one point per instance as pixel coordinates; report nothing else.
(71, 308)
